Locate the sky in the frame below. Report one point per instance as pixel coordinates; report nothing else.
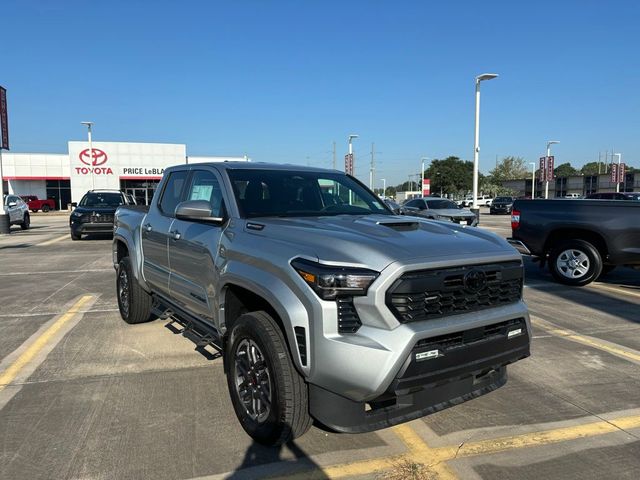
(280, 81)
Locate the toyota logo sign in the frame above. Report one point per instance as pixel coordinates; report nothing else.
(99, 157)
(475, 280)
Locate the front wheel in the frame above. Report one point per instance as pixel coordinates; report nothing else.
(269, 396)
(133, 302)
(26, 222)
(575, 262)
(46, 208)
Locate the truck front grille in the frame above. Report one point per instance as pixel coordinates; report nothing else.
(429, 294)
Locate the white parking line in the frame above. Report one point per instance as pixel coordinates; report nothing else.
(56, 272)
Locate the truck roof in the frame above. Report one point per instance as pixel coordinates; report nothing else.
(260, 166)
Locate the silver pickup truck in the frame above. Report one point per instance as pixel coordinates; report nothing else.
(325, 305)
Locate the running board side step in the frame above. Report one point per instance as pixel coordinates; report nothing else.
(198, 331)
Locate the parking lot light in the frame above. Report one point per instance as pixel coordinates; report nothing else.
(89, 125)
(546, 182)
(476, 149)
(533, 180)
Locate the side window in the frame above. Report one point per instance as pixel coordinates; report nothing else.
(413, 204)
(172, 193)
(205, 186)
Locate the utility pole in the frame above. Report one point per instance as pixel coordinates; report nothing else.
(334, 154)
(372, 168)
(599, 160)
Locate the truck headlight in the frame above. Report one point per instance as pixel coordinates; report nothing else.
(330, 281)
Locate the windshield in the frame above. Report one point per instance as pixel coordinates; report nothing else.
(504, 199)
(267, 193)
(101, 199)
(441, 204)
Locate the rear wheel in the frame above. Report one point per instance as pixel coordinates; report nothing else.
(133, 302)
(269, 396)
(26, 222)
(575, 262)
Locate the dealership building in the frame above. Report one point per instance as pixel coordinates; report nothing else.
(135, 168)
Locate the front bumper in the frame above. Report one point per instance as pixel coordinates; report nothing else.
(439, 373)
(88, 227)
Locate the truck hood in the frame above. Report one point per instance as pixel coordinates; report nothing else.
(375, 241)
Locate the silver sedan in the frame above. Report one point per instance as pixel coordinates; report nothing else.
(440, 209)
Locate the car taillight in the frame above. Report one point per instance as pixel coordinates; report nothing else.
(515, 219)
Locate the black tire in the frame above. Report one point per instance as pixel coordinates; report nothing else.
(133, 302)
(35, 210)
(46, 208)
(575, 262)
(26, 222)
(287, 413)
(75, 236)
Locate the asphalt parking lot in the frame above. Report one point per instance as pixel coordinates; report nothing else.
(83, 395)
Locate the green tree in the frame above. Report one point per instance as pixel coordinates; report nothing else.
(591, 168)
(565, 170)
(451, 175)
(509, 168)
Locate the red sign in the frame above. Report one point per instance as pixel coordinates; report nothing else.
(550, 175)
(543, 166)
(99, 157)
(621, 171)
(348, 163)
(614, 173)
(4, 120)
(93, 163)
(426, 187)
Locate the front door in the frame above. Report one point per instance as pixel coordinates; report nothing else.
(193, 248)
(155, 233)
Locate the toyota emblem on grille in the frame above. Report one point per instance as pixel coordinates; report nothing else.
(475, 280)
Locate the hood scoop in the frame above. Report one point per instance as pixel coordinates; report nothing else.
(400, 226)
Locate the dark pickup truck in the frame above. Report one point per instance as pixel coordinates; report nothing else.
(581, 239)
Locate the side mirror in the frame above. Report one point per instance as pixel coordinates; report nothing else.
(74, 204)
(12, 204)
(196, 210)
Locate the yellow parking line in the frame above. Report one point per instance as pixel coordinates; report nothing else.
(13, 370)
(571, 335)
(52, 241)
(544, 437)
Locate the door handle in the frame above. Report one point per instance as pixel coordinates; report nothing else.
(175, 234)
(147, 227)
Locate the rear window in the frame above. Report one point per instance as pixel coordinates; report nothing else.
(101, 199)
(441, 204)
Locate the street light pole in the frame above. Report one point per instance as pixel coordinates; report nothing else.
(546, 180)
(353, 163)
(619, 155)
(384, 187)
(476, 148)
(422, 175)
(89, 125)
(533, 179)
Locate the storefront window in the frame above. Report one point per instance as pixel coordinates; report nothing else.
(142, 190)
(60, 191)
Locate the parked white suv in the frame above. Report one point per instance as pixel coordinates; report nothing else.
(17, 210)
(482, 201)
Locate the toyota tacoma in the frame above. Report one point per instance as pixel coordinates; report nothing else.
(324, 304)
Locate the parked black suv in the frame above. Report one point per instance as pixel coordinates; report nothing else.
(94, 213)
(501, 205)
